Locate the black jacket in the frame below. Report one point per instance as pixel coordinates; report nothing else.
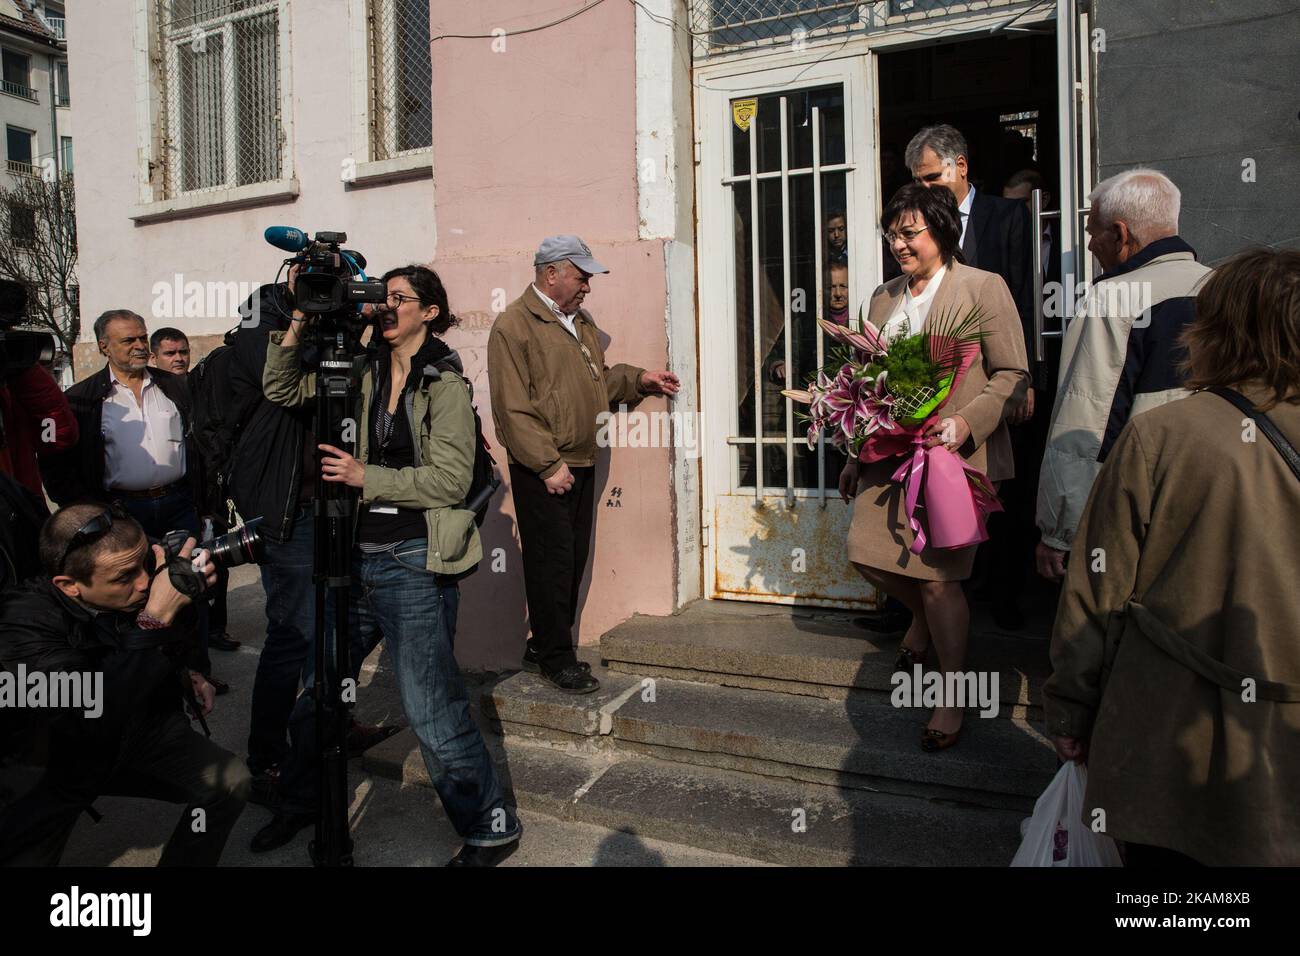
(78, 473)
(144, 682)
(44, 630)
(997, 240)
(264, 474)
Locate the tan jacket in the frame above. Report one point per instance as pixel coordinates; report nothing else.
(1181, 586)
(547, 387)
(997, 380)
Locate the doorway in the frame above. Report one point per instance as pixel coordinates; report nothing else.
(785, 153)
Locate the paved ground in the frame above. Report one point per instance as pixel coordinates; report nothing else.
(392, 825)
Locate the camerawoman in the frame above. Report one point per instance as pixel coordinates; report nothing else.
(111, 603)
(413, 537)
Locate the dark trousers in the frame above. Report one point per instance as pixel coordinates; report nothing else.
(1013, 532)
(174, 511)
(555, 534)
(286, 656)
(162, 758)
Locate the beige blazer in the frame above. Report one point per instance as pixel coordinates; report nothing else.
(998, 379)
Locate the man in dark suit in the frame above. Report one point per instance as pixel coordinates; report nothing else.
(996, 236)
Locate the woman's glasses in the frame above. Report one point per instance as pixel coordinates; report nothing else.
(395, 299)
(907, 235)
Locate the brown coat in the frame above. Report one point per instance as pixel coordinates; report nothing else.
(998, 378)
(1182, 586)
(546, 393)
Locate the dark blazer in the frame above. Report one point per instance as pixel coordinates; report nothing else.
(997, 240)
(78, 473)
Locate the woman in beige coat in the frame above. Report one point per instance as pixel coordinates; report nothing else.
(923, 227)
(1176, 656)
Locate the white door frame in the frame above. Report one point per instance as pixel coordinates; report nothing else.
(774, 70)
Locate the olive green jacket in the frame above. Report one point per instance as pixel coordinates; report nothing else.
(444, 452)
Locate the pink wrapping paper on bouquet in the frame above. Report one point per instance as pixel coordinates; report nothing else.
(957, 498)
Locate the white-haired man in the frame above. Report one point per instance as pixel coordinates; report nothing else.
(1120, 355)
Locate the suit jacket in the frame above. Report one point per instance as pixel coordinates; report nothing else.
(78, 473)
(997, 240)
(997, 379)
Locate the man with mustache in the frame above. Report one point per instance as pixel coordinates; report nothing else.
(134, 423)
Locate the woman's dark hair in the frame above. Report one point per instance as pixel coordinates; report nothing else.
(938, 207)
(428, 287)
(1247, 325)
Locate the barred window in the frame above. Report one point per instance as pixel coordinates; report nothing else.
(222, 112)
(401, 77)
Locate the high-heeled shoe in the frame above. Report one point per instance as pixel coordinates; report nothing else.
(908, 658)
(933, 740)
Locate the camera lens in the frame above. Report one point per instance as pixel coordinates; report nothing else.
(238, 547)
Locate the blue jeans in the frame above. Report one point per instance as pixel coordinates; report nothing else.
(395, 599)
(174, 511)
(286, 656)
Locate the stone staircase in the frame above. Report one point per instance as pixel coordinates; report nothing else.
(768, 732)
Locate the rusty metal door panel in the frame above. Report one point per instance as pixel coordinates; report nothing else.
(786, 555)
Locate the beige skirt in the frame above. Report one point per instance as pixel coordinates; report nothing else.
(879, 535)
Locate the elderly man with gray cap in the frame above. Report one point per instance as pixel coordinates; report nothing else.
(549, 381)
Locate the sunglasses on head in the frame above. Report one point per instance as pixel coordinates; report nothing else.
(88, 533)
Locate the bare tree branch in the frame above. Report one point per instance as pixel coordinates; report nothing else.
(38, 247)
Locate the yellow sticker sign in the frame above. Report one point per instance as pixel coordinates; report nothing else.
(743, 113)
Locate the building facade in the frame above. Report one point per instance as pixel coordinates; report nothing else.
(701, 148)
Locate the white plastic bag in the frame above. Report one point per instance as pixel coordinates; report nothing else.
(1056, 834)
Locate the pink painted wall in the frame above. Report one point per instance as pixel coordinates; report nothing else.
(537, 140)
(534, 141)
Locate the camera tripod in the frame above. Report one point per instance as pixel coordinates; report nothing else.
(335, 423)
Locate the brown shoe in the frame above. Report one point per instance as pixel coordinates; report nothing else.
(908, 658)
(935, 740)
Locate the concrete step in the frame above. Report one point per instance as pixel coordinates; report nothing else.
(998, 763)
(772, 820)
(807, 652)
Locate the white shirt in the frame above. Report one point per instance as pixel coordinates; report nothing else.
(964, 209)
(566, 318)
(144, 441)
(911, 312)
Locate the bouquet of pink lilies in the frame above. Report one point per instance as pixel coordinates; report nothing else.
(875, 399)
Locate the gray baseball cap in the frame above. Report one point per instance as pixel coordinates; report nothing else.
(557, 248)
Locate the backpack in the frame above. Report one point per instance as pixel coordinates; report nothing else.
(485, 480)
(213, 428)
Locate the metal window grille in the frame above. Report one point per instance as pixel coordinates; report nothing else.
(401, 78)
(722, 26)
(220, 67)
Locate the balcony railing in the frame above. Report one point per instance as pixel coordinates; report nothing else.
(56, 24)
(19, 168)
(62, 99)
(18, 89)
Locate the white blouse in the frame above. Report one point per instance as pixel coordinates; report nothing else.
(911, 312)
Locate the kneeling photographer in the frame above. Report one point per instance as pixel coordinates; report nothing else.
(99, 651)
(412, 538)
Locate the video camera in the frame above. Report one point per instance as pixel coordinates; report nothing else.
(19, 349)
(331, 281)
